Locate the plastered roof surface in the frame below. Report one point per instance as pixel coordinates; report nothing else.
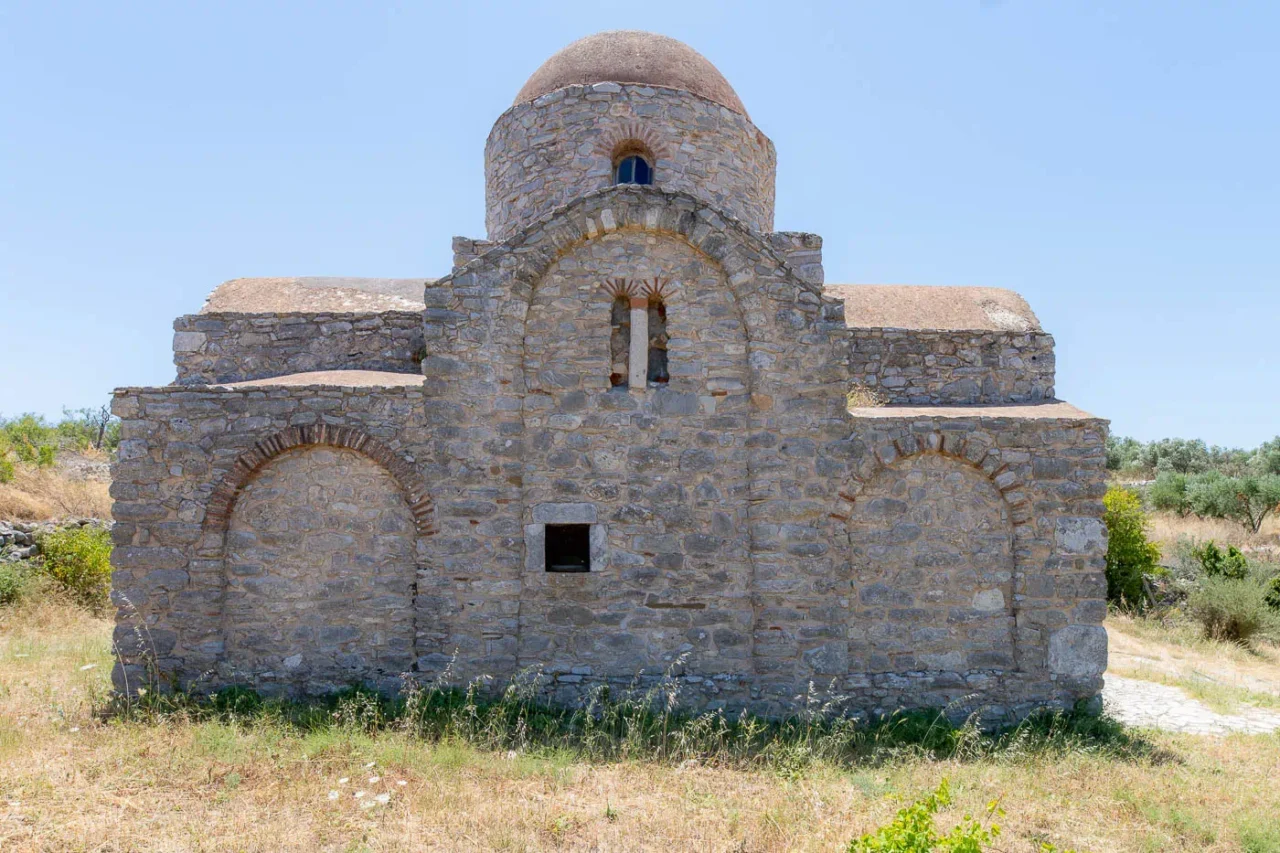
(1050, 409)
(339, 378)
(315, 294)
(903, 306)
(632, 56)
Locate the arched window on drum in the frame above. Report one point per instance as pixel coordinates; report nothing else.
(633, 163)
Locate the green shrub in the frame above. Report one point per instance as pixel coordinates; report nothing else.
(6, 470)
(1273, 593)
(1169, 492)
(1219, 564)
(45, 454)
(1233, 610)
(14, 581)
(1129, 554)
(912, 830)
(79, 558)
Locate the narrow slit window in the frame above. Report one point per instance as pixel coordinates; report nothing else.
(619, 342)
(568, 547)
(657, 370)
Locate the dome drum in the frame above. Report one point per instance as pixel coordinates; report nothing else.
(543, 154)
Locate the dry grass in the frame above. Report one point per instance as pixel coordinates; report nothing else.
(42, 494)
(1168, 527)
(72, 781)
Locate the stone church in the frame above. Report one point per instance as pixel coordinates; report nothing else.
(632, 433)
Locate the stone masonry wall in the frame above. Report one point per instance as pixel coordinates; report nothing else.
(320, 571)
(931, 546)
(664, 467)
(204, 474)
(765, 352)
(946, 367)
(747, 531)
(213, 348)
(546, 153)
(1049, 470)
(802, 251)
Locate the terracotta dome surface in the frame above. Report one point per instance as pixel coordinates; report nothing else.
(632, 56)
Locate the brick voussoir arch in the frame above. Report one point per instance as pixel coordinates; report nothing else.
(223, 499)
(973, 452)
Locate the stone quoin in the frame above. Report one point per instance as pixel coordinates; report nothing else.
(616, 443)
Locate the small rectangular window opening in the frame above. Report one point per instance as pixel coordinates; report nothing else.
(568, 547)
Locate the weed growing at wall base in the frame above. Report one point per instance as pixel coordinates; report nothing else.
(647, 726)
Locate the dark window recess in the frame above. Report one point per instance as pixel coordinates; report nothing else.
(657, 342)
(568, 547)
(634, 170)
(619, 342)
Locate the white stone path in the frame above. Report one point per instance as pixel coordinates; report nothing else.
(1144, 703)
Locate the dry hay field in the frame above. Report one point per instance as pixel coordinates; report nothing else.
(74, 778)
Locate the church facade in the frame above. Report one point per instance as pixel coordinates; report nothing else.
(632, 435)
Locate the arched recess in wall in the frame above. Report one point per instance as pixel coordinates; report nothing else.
(749, 265)
(320, 561)
(932, 560)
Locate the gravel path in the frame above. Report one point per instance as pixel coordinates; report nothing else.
(1143, 703)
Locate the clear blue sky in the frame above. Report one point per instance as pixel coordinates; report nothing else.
(1118, 163)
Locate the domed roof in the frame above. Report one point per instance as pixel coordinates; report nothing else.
(632, 56)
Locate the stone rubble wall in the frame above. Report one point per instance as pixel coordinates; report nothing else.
(765, 360)
(467, 249)
(803, 251)
(526, 421)
(947, 367)
(749, 534)
(664, 467)
(320, 573)
(215, 348)
(179, 577)
(1050, 474)
(544, 154)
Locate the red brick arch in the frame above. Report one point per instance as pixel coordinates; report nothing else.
(223, 499)
(976, 454)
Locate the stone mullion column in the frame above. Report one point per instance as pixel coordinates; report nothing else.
(638, 355)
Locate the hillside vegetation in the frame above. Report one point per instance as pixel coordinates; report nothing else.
(56, 470)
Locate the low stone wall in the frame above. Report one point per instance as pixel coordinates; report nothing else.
(213, 348)
(947, 367)
(20, 540)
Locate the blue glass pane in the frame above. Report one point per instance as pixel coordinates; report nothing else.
(625, 170)
(644, 175)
